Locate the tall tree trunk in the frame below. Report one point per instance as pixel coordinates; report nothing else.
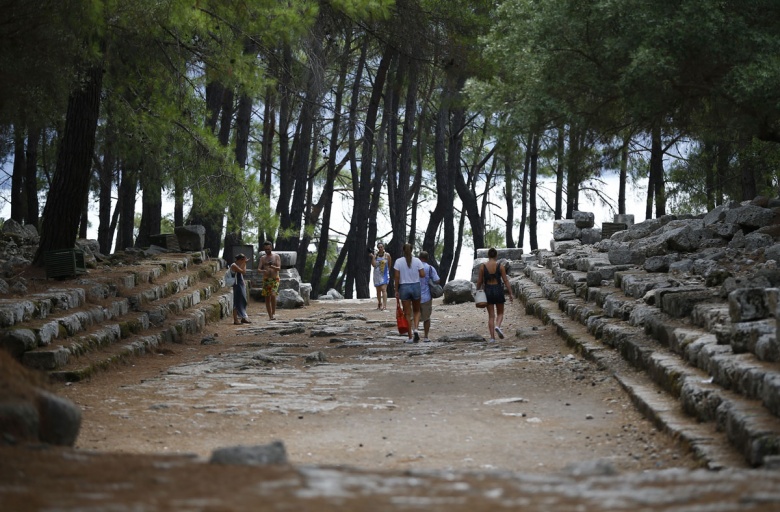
(656, 174)
(151, 205)
(327, 193)
(560, 171)
(70, 185)
(267, 154)
(84, 220)
(359, 266)
(709, 170)
(334, 278)
(126, 206)
(573, 175)
(524, 192)
(467, 197)
(509, 198)
(445, 186)
(178, 199)
(532, 192)
(219, 103)
(31, 176)
(106, 179)
(623, 176)
(301, 163)
(237, 208)
(459, 246)
(286, 174)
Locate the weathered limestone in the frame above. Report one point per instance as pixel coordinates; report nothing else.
(692, 301)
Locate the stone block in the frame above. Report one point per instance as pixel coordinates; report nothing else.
(289, 258)
(743, 336)
(591, 236)
(679, 303)
(562, 246)
(583, 219)
(191, 237)
(660, 263)
(49, 359)
(746, 304)
(305, 292)
(18, 341)
(503, 253)
(565, 229)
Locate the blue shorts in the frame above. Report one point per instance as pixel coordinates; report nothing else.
(409, 291)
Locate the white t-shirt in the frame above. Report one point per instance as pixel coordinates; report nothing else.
(408, 274)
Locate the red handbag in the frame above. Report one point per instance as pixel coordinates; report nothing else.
(400, 318)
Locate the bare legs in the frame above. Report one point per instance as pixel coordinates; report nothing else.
(270, 306)
(491, 309)
(412, 313)
(381, 297)
(499, 315)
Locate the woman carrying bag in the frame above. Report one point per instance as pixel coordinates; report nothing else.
(492, 277)
(408, 271)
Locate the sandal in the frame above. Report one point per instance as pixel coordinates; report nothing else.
(245, 321)
(235, 322)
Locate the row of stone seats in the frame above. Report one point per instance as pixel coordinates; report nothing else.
(697, 334)
(98, 320)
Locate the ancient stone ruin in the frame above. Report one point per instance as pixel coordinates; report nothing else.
(691, 302)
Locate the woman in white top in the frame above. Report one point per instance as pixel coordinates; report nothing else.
(408, 271)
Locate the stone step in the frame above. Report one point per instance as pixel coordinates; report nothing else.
(720, 403)
(665, 410)
(173, 330)
(95, 336)
(93, 288)
(41, 332)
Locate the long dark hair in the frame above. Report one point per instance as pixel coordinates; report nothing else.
(408, 253)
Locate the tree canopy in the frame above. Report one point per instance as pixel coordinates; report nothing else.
(435, 122)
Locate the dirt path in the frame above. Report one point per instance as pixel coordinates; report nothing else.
(365, 399)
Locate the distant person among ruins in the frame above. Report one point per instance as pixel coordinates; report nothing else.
(492, 277)
(240, 302)
(408, 272)
(381, 261)
(270, 265)
(426, 299)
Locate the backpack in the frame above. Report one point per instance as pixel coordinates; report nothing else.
(230, 278)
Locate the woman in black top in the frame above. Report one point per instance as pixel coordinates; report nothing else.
(492, 277)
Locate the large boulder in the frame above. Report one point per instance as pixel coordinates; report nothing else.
(30, 413)
(289, 299)
(459, 291)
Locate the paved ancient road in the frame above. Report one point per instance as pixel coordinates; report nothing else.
(369, 423)
(355, 394)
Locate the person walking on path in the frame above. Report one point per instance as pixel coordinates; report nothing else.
(426, 300)
(239, 291)
(381, 263)
(492, 277)
(408, 272)
(270, 265)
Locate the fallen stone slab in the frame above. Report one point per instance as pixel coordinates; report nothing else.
(459, 338)
(325, 332)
